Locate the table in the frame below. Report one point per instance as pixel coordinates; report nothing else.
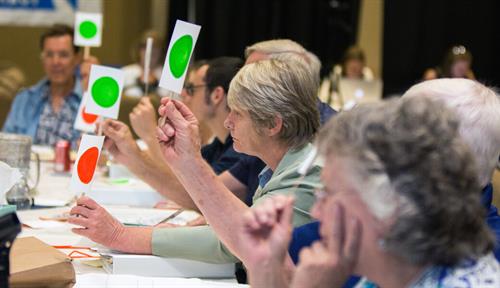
(53, 189)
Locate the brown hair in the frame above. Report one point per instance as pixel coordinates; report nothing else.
(58, 30)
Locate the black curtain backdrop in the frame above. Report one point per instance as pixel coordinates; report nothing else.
(325, 27)
(417, 34)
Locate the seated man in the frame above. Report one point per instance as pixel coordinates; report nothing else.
(205, 93)
(47, 110)
(274, 117)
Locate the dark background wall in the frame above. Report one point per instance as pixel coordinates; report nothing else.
(324, 27)
(417, 34)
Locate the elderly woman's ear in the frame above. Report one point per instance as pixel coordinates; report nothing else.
(276, 129)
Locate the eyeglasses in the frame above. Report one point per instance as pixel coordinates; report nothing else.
(50, 55)
(459, 50)
(190, 88)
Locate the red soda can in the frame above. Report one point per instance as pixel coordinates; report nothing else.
(61, 162)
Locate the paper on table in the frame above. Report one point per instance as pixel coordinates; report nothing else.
(42, 224)
(94, 280)
(52, 202)
(139, 216)
(49, 224)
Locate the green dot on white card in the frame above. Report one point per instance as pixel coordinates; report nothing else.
(88, 29)
(105, 91)
(179, 55)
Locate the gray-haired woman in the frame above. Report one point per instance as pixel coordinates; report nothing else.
(400, 206)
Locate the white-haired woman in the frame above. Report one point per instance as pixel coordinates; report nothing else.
(400, 206)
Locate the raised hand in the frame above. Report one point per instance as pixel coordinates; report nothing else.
(143, 120)
(330, 261)
(266, 231)
(119, 142)
(177, 132)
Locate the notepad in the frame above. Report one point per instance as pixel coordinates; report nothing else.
(154, 266)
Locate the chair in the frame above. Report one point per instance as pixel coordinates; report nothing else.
(11, 80)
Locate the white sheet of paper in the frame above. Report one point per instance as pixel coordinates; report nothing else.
(95, 19)
(98, 74)
(142, 216)
(104, 280)
(44, 224)
(79, 183)
(168, 80)
(82, 123)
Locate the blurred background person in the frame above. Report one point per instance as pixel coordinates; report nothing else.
(352, 66)
(456, 64)
(47, 110)
(134, 85)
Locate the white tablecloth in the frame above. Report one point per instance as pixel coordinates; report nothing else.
(53, 188)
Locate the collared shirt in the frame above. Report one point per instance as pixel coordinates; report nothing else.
(25, 112)
(246, 170)
(201, 243)
(483, 273)
(265, 176)
(54, 126)
(492, 217)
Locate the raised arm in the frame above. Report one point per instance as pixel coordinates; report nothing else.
(120, 143)
(181, 148)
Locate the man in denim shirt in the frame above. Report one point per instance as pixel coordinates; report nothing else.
(47, 110)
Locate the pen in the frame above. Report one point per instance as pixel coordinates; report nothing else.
(172, 216)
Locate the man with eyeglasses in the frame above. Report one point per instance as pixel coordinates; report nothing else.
(47, 110)
(205, 94)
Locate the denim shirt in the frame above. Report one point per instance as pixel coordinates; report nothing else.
(27, 107)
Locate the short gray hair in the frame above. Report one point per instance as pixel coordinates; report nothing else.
(478, 110)
(275, 46)
(411, 154)
(271, 88)
(284, 49)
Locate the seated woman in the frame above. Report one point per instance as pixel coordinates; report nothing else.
(352, 66)
(273, 116)
(401, 207)
(456, 64)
